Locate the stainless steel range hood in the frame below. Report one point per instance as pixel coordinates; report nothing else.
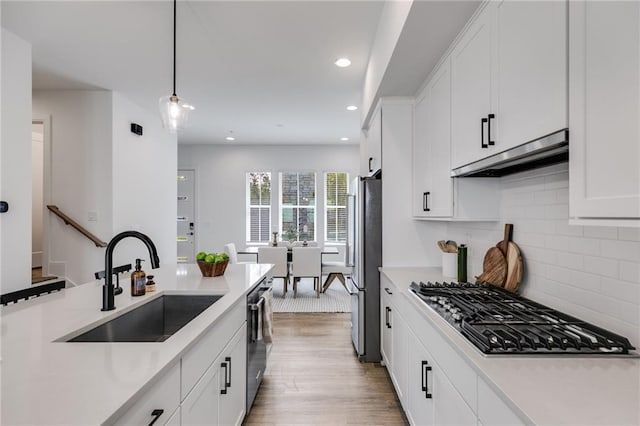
(550, 149)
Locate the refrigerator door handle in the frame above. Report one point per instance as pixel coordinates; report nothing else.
(348, 258)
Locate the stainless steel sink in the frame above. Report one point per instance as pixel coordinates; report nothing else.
(154, 321)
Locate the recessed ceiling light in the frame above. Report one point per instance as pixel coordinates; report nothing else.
(279, 125)
(230, 138)
(344, 139)
(342, 62)
(352, 108)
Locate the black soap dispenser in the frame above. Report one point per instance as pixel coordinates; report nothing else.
(138, 281)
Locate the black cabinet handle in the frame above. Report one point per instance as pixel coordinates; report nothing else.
(224, 365)
(389, 322)
(425, 201)
(425, 379)
(228, 382)
(482, 123)
(491, 116)
(156, 415)
(370, 160)
(386, 317)
(387, 290)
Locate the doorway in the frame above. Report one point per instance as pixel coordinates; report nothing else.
(186, 216)
(40, 172)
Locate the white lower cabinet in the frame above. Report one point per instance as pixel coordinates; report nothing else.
(211, 377)
(431, 398)
(386, 343)
(433, 383)
(233, 402)
(399, 337)
(200, 407)
(218, 398)
(158, 403)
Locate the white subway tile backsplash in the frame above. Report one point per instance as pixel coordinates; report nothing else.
(531, 239)
(555, 273)
(630, 271)
(545, 197)
(605, 232)
(629, 234)
(586, 281)
(622, 290)
(601, 266)
(590, 246)
(622, 250)
(589, 272)
(557, 242)
(540, 211)
(562, 195)
(537, 254)
(563, 228)
(556, 181)
(556, 211)
(570, 260)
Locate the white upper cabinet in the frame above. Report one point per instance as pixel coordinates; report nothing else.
(471, 103)
(604, 155)
(531, 71)
(435, 194)
(432, 184)
(509, 78)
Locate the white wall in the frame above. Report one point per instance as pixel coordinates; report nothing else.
(392, 19)
(220, 182)
(144, 183)
(81, 177)
(37, 205)
(15, 157)
(590, 272)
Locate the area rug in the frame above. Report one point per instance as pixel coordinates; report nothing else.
(336, 298)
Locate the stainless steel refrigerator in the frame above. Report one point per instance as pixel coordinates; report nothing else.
(364, 254)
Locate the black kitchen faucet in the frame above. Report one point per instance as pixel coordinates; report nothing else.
(108, 287)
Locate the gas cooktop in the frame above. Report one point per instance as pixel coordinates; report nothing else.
(499, 322)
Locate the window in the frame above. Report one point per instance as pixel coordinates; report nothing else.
(258, 206)
(298, 206)
(336, 187)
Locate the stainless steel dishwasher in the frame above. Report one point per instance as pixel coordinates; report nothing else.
(256, 347)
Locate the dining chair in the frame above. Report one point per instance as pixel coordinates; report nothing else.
(336, 269)
(277, 256)
(230, 249)
(306, 264)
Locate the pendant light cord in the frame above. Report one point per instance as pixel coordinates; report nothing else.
(174, 47)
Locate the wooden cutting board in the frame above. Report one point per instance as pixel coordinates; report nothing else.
(515, 267)
(494, 268)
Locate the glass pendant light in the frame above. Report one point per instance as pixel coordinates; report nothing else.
(174, 110)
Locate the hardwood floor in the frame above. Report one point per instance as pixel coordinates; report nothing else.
(314, 377)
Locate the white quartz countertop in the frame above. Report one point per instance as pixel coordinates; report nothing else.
(546, 390)
(47, 381)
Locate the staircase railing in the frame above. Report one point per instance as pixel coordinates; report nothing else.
(75, 225)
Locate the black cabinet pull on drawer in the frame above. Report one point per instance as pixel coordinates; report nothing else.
(491, 117)
(482, 123)
(156, 415)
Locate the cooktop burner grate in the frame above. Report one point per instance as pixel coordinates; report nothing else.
(499, 322)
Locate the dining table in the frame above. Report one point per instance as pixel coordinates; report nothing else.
(253, 250)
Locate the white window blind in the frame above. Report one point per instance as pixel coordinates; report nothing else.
(258, 206)
(336, 188)
(298, 206)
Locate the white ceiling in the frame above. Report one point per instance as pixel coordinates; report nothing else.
(262, 69)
